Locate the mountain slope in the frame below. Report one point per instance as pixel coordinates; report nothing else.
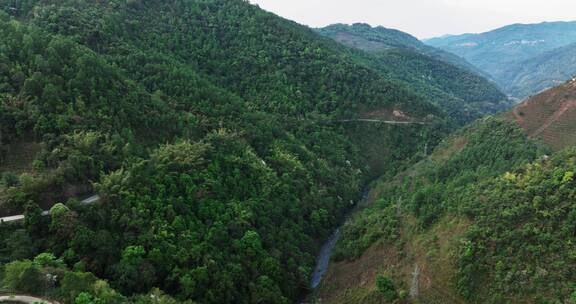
(550, 116)
(419, 219)
(376, 39)
(542, 72)
(223, 151)
(504, 49)
(464, 94)
(488, 217)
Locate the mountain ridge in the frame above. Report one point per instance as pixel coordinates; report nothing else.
(441, 77)
(518, 56)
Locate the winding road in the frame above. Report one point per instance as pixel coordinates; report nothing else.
(25, 299)
(389, 122)
(14, 218)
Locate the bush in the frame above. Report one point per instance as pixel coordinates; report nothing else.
(10, 179)
(386, 286)
(75, 283)
(23, 276)
(48, 260)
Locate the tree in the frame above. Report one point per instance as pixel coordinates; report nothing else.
(20, 245)
(75, 283)
(134, 273)
(386, 286)
(47, 259)
(23, 276)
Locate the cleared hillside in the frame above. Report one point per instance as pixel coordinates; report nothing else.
(550, 116)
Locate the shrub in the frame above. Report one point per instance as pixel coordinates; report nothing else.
(386, 286)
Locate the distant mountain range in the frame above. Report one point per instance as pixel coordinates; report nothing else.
(376, 39)
(523, 59)
(441, 77)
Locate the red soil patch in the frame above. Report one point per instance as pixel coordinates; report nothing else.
(343, 277)
(550, 116)
(385, 114)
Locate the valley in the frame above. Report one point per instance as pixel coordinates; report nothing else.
(210, 151)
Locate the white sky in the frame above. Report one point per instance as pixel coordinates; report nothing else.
(423, 18)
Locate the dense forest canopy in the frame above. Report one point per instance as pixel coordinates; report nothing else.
(441, 77)
(226, 143)
(217, 149)
(514, 203)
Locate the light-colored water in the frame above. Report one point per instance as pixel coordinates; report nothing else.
(323, 259)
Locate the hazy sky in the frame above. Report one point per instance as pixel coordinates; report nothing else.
(423, 18)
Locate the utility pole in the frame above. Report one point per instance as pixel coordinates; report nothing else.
(415, 288)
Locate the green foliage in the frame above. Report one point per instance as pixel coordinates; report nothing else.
(19, 245)
(492, 147)
(9, 179)
(386, 286)
(445, 182)
(47, 275)
(439, 77)
(86, 298)
(23, 276)
(375, 223)
(48, 260)
(75, 283)
(527, 218)
(215, 148)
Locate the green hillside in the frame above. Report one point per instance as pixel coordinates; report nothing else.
(376, 39)
(488, 217)
(439, 76)
(485, 219)
(224, 151)
(227, 144)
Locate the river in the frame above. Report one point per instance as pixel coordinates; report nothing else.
(323, 259)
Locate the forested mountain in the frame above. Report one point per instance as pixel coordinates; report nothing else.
(488, 217)
(542, 72)
(225, 144)
(222, 140)
(441, 77)
(376, 39)
(518, 56)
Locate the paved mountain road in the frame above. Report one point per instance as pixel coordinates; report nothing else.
(25, 299)
(92, 199)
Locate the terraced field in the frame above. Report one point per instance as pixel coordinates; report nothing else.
(550, 116)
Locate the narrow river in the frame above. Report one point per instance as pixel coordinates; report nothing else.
(323, 259)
